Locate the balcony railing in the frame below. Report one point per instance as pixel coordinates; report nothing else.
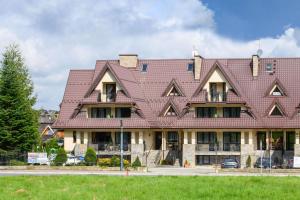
(231, 147)
(109, 148)
(218, 96)
(207, 147)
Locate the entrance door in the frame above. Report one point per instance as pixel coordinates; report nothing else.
(158, 139)
(172, 140)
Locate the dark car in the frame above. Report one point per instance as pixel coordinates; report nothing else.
(264, 163)
(230, 163)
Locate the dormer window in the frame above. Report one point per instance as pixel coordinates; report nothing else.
(174, 92)
(144, 68)
(171, 112)
(190, 67)
(276, 112)
(277, 91)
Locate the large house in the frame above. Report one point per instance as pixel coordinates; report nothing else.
(197, 111)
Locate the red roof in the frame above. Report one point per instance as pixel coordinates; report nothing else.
(145, 89)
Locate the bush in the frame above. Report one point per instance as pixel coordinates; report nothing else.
(114, 161)
(136, 163)
(61, 157)
(17, 163)
(90, 157)
(166, 162)
(248, 162)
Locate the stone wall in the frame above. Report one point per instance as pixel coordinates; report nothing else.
(188, 153)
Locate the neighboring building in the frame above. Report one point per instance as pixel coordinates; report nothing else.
(196, 110)
(46, 119)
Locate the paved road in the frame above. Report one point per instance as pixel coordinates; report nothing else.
(151, 172)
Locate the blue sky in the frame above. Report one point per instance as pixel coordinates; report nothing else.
(253, 19)
(58, 35)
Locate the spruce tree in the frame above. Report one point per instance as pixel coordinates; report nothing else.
(18, 119)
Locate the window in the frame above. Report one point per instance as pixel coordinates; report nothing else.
(261, 140)
(126, 137)
(206, 112)
(232, 112)
(102, 139)
(174, 92)
(206, 137)
(205, 160)
(123, 112)
(171, 112)
(231, 141)
(290, 140)
(101, 112)
(172, 137)
(144, 68)
(276, 111)
(269, 67)
(190, 67)
(81, 137)
(110, 92)
(277, 92)
(74, 137)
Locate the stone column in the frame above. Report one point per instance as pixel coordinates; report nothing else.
(297, 143)
(188, 150)
(138, 149)
(86, 136)
(164, 141)
(246, 149)
(113, 138)
(133, 141)
(77, 137)
(185, 137)
(193, 137)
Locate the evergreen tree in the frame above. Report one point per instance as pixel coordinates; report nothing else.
(18, 119)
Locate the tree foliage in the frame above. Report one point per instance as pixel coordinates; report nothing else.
(90, 157)
(61, 157)
(18, 119)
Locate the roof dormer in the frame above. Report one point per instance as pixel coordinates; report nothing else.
(276, 89)
(173, 89)
(276, 110)
(170, 109)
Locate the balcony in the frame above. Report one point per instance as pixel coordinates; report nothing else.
(109, 149)
(231, 147)
(218, 96)
(207, 147)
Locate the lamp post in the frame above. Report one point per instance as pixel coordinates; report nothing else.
(121, 146)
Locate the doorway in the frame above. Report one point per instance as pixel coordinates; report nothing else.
(158, 140)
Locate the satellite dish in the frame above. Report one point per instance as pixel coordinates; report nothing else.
(259, 52)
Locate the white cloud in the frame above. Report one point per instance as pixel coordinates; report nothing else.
(58, 35)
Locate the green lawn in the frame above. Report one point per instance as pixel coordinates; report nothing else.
(108, 187)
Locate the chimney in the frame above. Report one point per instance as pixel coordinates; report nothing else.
(128, 60)
(255, 65)
(197, 66)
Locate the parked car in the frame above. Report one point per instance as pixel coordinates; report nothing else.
(290, 163)
(230, 163)
(73, 160)
(264, 163)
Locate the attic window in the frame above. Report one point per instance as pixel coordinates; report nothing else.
(144, 67)
(277, 91)
(171, 112)
(276, 112)
(173, 92)
(269, 67)
(190, 67)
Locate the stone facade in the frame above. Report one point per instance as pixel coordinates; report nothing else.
(188, 154)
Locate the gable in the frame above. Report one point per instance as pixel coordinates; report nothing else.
(173, 89)
(276, 110)
(276, 89)
(169, 109)
(217, 77)
(108, 77)
(218, 74)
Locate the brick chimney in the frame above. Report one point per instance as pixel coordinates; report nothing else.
(128, 60)
(255, 65)
(197, 66)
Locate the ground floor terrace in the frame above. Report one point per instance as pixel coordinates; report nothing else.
(195, 147)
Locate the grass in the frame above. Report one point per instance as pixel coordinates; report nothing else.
(159, 187)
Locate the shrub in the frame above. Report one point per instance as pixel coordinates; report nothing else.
(248, 162)
(104, 162)
(61, 157)
(90, 157)
(166, 162)
(51, 144)
(17, 163)
(115, 161)
(136, 163)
